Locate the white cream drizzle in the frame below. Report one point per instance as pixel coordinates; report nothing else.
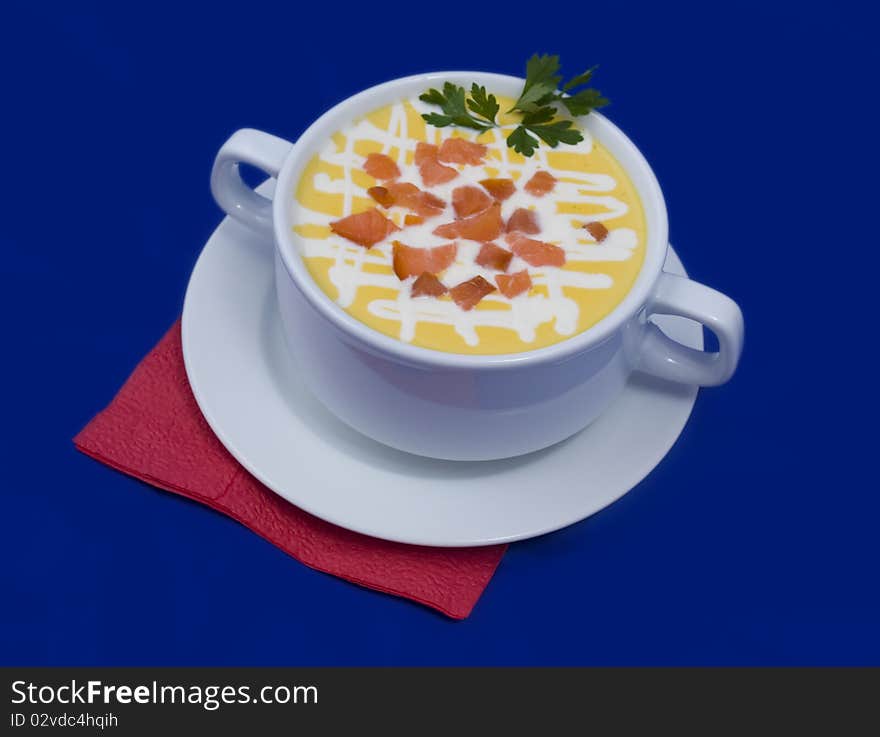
(526, 312)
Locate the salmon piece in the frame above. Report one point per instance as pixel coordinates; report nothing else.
(467, 294)
(460, 151)
(597, 230)
(536, 253)
(432, 171)
(428, 285)
(410, 219)
(381, 195)
(484, 226)
(366, 228)
(492, 256)
(523, 221)
(540, 184)
(449, 230)
(469, 201)
(412, 198)
(382, 167)
(512, 285)
(500, 189)
(425, 152)
(409, 261)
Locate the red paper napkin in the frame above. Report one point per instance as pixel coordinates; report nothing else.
(153, 430)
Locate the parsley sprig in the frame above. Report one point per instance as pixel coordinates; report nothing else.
(457, 107)
(537, 104)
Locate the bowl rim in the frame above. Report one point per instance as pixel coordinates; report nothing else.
(614, 139)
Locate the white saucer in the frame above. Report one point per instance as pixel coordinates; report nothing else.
(246, 384)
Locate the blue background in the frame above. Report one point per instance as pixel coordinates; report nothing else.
(754, 542)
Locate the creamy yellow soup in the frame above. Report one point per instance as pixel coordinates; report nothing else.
(562, 301)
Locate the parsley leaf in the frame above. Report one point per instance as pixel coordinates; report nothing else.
(486, 106)
(579, 80)
(521, 142)
(541, 83)
(437, 120)
(453, 101)
(541, 115)
(584, 102)
(541, 124)
(560, 131)
(435, 97)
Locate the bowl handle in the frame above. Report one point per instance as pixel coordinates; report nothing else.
(262, 150)
(669, 359)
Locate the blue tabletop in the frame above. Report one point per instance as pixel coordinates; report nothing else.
(754, 542)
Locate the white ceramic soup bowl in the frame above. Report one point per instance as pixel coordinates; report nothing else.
(469, 407)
